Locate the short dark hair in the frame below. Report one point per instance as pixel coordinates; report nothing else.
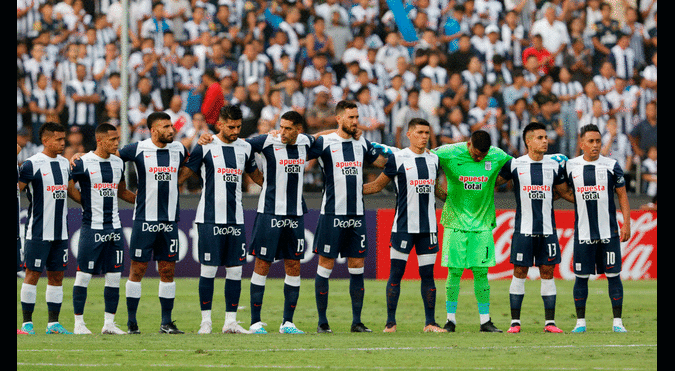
(480, 139)
(344, 105)
(295, 117)
(156, 116)
(585, 129)
(532, 126)
(231, 112)
(51, 127)
(104, 128)
(418, 121)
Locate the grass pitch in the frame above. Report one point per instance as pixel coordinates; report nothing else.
(408, 348)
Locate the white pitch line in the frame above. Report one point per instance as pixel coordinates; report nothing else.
(346, 349)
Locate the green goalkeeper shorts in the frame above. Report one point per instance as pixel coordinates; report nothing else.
(467, 249)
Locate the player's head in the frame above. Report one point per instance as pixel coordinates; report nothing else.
(160, 126)
(107, 138)
(479, 145)
(291, 124)
(53, 137)
(229, 123)
(419, 132)
(535, 138)
(347, 115)
(590, 142)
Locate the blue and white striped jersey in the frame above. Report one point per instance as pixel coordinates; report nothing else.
(594, 184)
(533, 183)
(47, 190)
(283, 166)
(221, 166)
(414, 177)
(99, 179)
(342, 162)
(157, 169)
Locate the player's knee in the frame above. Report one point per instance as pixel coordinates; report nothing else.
(292, 280)
(292, 267)
(262, 267)
(113, 279)
(455, 273)
(520, 271)
(233, 273)
(166, 271)
(82, 279)
(395, 254)
(208, 271)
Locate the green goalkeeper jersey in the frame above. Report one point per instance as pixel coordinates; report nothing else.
(470, 205)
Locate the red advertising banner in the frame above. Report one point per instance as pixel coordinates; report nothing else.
(638, 254)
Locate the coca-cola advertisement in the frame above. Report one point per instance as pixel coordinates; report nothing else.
(638, 253)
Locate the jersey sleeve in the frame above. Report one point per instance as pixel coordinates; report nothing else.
(561, 176)
(26, 173)
(194, 161)
(390, 167)
(257, 142)
(251, 164)
(619, 180)
(78, 170)
(128, 152)
(316, 149)
(371, 153)
(505, 171)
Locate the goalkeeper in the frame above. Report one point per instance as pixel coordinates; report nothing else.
(471, 170)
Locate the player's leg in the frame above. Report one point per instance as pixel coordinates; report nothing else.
(481, 288)
(480, 256)
(323, 271)
(584, 265)
(291, 296)
(167, 295)
(133, 291)
(356, 292)
(548, 295)
(111, 298)
(234, 256)
(453, 257)
(57, 262)
(451, 297)
(516, 295)
(207, 277)
(398, 261)
(79, 298)
(611, 266)
(35, 253)
(426, 245)
(257, 292)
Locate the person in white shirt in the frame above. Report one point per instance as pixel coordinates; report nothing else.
(553, 32)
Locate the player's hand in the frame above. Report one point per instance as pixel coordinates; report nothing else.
(562, 159)
(205, 139)
(358, 134)
(624, 233)
(75, 157)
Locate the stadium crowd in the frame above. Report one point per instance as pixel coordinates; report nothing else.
(494, 65)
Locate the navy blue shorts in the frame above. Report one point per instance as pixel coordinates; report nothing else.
(343, 235)
(528, 250)
(597, 256)
(50, 254)
(221, 244)
(100, 251)
(425, 243)
(278, 237)
(157, 240)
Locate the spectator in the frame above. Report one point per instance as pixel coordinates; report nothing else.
(371, 115)
(513, 36)
(606, 35)
(517, 118)
(274, 109)
(644, 133)
(388, 54)
(545, 60)
(578, 60)
(554, 36)
(156, 25)
(554, 127)
(616, 145)
(321, 114)
(649, 172)
(81, 99)
(623, 59)
(213, 97)
(567, 92)
(45, 105)
(411, 111)
(455, 130)
(395, 99)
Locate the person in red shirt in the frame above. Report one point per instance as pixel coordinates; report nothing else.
(543, 55)
(213, 97)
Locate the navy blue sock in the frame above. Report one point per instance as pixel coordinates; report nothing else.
(291, 295)
(111, 297)
(167, 307)
(428, 291)
(257, 292)
(615, 288)
(356, 291)
(393, 291)
(232, 293)
(321, 294)
(132, 308)
(580, 293)
(516, 302)
(79, 298)
(206, 292)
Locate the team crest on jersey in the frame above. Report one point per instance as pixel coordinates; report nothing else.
(488, 165)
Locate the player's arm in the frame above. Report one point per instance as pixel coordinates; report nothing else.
(624, 233)
(563, 191)
(440, 188)
(257, 177)
(184, 173)
(504, 174)
(73, 193)
(124, 193)
(500, 181)
(376, 185)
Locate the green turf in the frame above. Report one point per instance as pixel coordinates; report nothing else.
(408, 348)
